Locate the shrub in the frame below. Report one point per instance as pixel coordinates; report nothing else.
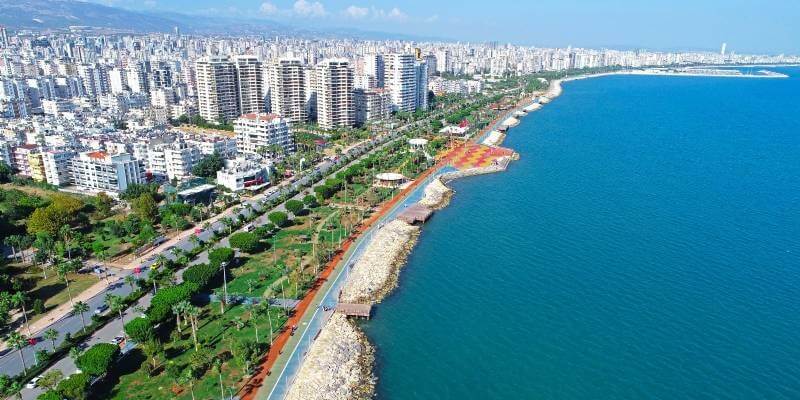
(294, 206)
(139, 329)
(245, 241)
(74, 387)
(310, 201)
(98, 358)
(161, 305)
(220, 255)
(278, 218)
(200, 274)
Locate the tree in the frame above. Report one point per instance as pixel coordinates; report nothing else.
(153, 349)
(216, 367)
(117, 305)
(48, 219)
(63, 271)
(74, 387)
(187, 378)
(208, 166)
(51, 335)
(310, 201)
(80, 308)
(201, 274)
(130, 280)
(50, 395)
(18, 341)
(193, 312)
(50, 379)
(145, 207)
(245, 241)
(278, 218)
(294, 206)
(161, 305)
(221, 255)
(98, 359)
(6, 172)
(18, 299)
(140, 329)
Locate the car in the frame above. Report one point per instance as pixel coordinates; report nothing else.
(117, 340)
(33, 382)
(249, 227)
(101, 309)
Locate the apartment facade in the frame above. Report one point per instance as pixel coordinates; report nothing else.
(97, 171)
(400, 80)
(371, 105)
(256, 132)
(217, 89)
(335, 105)
(287, 90)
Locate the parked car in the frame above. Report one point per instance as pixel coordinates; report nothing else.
(101, 309)
(33, 382)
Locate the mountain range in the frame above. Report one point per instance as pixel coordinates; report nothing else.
(49, 15)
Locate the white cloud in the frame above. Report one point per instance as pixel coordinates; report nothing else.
(395, 14)
(268, 8)
(149, 3)
(433, 18)
(304, 8)
(356, 12)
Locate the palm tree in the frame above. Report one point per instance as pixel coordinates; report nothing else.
(116, 304)
(193, 312)
(16, 389)
(216, 368)
(80, 308)
(194, 240)
(67, 237)
(74, 353)
(228, 223)
(19, 299)
(152, 349)
(18, 341)
(13, 242)
(238, 322)
(255, 312)
(63, 270)
(177, 309)
(187, 378)
(51, 335)
(130, 280)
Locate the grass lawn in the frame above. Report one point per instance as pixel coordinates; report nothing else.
(217, 334)
(53, 290)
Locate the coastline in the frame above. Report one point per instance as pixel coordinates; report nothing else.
(374, 275)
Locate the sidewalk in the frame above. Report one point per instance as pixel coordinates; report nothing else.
(61, 311)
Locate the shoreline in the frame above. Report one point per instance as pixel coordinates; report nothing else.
(437, 195)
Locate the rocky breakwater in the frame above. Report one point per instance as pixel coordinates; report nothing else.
(437, 195)
(338, 365)
(375, 273)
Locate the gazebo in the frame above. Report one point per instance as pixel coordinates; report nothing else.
(390, 179)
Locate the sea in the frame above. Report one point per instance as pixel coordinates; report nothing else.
(645, 246)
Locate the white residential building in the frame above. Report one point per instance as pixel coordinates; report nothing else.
(335, 106)
(217, 95)
(242, 173)
(97, 171)
(287, 90)
(257, 131)
(250, 81)
(172, 160)
(225, 147)
(372, 105)
(400, 80)
(421, 85)
(57, 166)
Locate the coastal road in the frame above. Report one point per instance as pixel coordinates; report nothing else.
(11, 363)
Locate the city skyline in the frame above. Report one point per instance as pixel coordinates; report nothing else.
(666, 26)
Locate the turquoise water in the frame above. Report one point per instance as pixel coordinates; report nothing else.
(644, 247)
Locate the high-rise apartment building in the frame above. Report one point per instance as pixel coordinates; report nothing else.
(400, 80)
(374, 67)
(287, 90)
(371, 105)
(217, 89)
(421, 85)
(335, 106)
(250, 81)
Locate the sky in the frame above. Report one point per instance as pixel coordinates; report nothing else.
(747, 26)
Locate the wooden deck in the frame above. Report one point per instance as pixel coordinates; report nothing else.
(355, 310)
(416, 213)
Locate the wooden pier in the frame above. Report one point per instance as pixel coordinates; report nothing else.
(355, 310)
